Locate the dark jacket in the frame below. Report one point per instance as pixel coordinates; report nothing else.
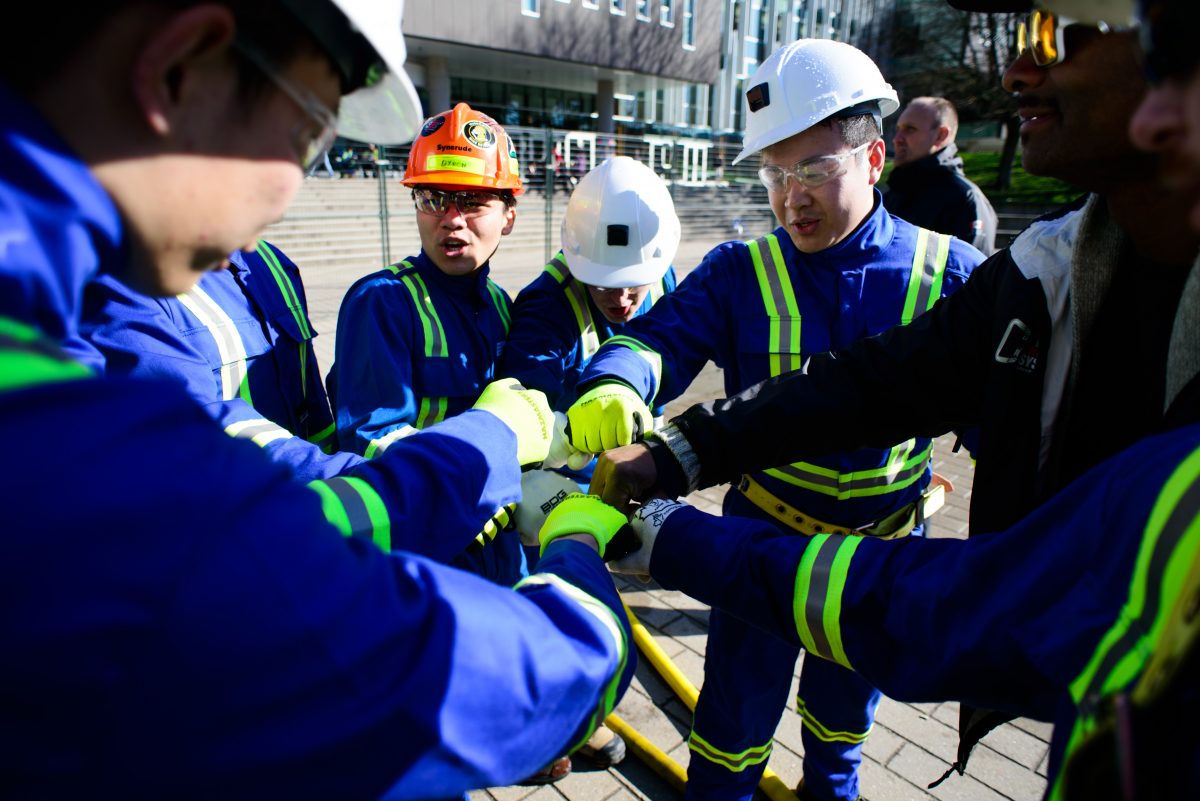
(1001, 353)
(934, 193)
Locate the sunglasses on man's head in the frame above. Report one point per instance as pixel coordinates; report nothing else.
(1044, 35)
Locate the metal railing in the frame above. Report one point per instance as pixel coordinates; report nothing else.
(338, 221)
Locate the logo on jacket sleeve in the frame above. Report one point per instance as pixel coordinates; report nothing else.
(1019, 347)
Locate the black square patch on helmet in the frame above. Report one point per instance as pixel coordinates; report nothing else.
(758, 96)
(618, 236)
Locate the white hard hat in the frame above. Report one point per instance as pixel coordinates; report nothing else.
(620, 228)
(805, 82)
(366, 44)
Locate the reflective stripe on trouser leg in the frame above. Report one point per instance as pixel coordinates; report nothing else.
(747, 681)
(838, 709)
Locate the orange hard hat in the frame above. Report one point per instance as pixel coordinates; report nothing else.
(463, 147)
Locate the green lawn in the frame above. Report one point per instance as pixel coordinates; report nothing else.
(1026, 189)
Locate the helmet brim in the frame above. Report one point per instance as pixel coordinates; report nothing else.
(387, 113)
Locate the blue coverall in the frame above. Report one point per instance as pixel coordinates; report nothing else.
(187, 621)
(556, 329)
(416, 346)
(756, 310)
(1056, 618)
(240, 341)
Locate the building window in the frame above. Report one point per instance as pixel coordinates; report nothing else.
(666, 13)
(643, 10)
(617, 7)
(689, 24)
(531, 8)
(800, 20)
(591, 3)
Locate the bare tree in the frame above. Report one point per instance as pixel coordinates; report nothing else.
(931, 49)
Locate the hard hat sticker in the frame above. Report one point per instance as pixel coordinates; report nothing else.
(432, 125)
(444, 162)
(479, 134)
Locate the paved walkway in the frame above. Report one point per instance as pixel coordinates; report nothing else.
(911, 745)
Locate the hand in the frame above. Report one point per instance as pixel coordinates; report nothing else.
(646, 522)
(582, 514)
(525, 411)
(624, 475)
(561, 451)
(608, 416)
(541, 491)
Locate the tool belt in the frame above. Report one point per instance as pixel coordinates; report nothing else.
(895, 525)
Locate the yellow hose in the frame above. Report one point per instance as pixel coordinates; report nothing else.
(648, 752)
(770, 783)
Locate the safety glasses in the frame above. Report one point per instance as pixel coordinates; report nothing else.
(1042, 35)
(809, 173)
(470, 203)
(312, 139)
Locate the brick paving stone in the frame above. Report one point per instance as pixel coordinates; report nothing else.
(688, 633)
(1002, 774)
(883, 744)
(877, 783)
(1018, 745)
(919, 767)
(931, 735)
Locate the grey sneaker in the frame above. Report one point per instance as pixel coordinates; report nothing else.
(603, 749)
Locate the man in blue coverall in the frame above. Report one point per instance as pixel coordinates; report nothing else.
(418, 340)
(187, 620)
(838, 269)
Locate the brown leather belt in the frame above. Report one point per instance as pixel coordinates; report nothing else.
(897, 524)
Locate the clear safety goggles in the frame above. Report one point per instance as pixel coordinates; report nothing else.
(470, 202)
(809, 173)
(311, 139)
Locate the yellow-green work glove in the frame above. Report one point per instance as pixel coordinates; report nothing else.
(582, 514)
(608, 416)
(525, 411)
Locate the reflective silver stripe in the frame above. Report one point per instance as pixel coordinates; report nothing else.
(224, 332)
(1182, 516)
(578, 297)
(818, 591)
(500, 301)
(353, 504)
(378, 446)
(844, 483)
(770, 272)
(261, 432)
(929, 264)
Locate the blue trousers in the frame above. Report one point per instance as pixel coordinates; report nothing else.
(747, 678)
